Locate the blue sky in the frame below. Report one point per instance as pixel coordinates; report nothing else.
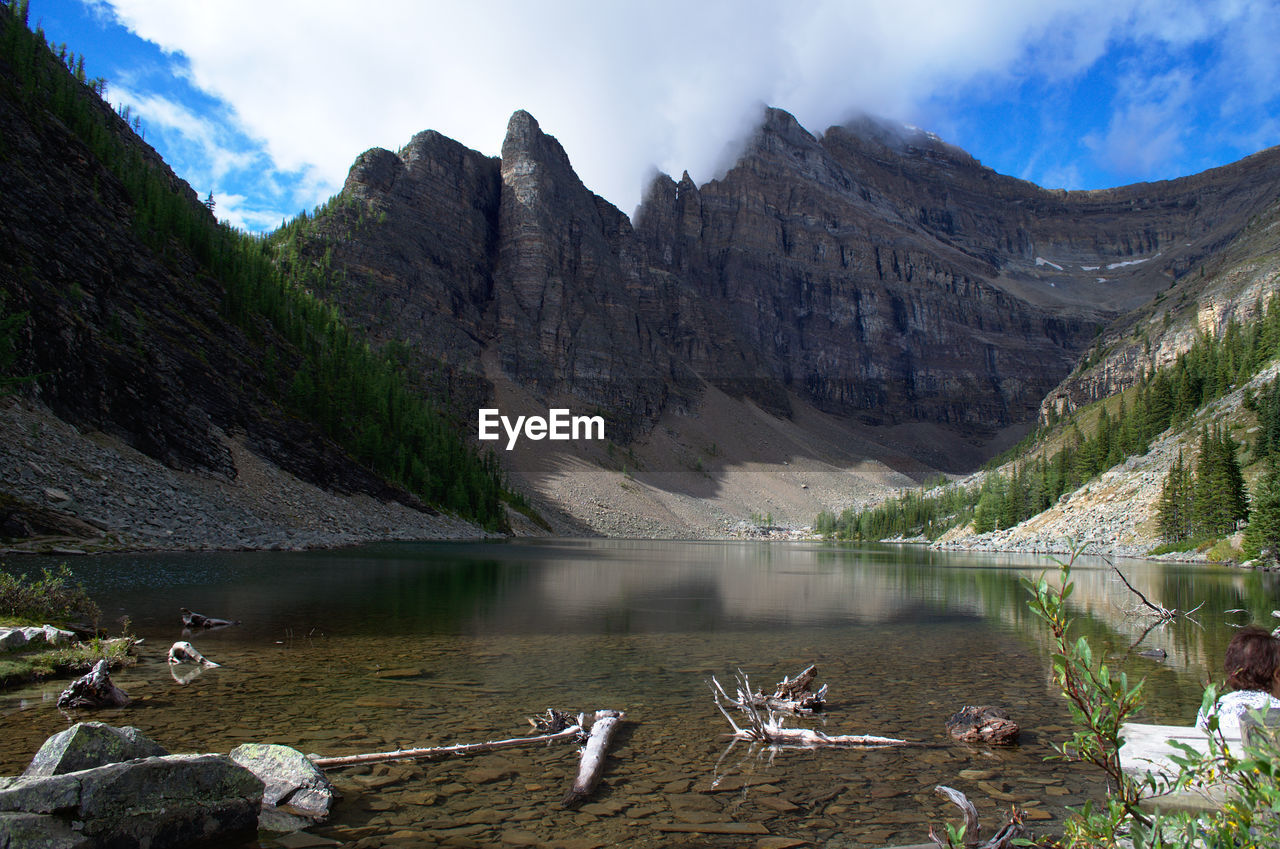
(266, 103)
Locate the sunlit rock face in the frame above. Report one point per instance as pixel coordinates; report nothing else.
(874, 272)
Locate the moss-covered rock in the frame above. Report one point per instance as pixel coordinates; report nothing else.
(90, 744)
(159, 802)
(290, 777)
(39, 831)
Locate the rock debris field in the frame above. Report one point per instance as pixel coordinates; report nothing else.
(132, 501)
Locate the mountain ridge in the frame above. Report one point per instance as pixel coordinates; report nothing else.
(873, 280)
(836, 316)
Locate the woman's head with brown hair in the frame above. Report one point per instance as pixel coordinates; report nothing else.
(1253, 659)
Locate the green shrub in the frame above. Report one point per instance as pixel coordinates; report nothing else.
(54, 598)
(1101, 701)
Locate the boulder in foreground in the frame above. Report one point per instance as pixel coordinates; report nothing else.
(156, 803)
(86, 745)
(290, 777)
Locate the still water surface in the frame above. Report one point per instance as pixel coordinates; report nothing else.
(374, 648)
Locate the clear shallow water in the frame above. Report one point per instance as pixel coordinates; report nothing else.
(369, 649)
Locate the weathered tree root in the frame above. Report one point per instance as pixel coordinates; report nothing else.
(791, 695)
(762, 728)
(1003, 839)
(93, 690)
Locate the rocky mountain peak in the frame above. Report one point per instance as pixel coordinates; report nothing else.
(874, 272)
(374, 172)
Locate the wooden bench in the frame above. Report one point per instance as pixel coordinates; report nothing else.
(1148, 749)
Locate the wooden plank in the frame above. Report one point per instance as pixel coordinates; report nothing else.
(1148, 749)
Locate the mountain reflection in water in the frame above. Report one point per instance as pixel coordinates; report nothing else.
(481, 635)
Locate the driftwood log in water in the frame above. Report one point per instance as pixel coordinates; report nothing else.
(197, 620)
(591, 766)
(93, 690)
(765, 728)
(792, 695)
(438, 752)
(184, 652)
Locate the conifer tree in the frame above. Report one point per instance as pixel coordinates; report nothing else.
(1220, 498)
(1262, 537)
(1176, 503)
(990, 505)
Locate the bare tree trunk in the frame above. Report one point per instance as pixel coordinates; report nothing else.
(593, 754)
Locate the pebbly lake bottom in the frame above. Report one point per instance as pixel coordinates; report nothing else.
(393, 646)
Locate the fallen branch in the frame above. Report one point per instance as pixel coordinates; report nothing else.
(1157, 610)
(591, 765)
(198, 620)
(768, 729)
(438, 752)
(184, 652)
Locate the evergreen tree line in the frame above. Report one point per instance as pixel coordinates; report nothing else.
(357, 396)
(1209, 502)
(913, 513)
(1162, 398)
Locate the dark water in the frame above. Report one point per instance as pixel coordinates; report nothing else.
(374, 648)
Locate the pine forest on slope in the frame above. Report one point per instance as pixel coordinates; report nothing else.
(306, 389)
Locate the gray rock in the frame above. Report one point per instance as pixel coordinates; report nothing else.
(57, 636)
(39, 831)
(160, 802)
(12, 639)
(90, 744)
(290, 778)
(41, 795)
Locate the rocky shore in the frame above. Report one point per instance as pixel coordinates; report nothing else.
(1115, 514)
(72, 492)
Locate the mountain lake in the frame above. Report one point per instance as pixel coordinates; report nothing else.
(427, 644)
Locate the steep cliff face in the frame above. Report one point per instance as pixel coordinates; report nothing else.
(826, 272)
(1226, 282)
(568, 291)
(874, 273)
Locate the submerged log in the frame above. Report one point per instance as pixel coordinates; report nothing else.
(986, 724)
(197, 620)
(94, 690)
(439, 752)
(591, 765)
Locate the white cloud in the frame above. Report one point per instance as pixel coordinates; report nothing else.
(216, 155)
(626, 86)
(239, 211)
